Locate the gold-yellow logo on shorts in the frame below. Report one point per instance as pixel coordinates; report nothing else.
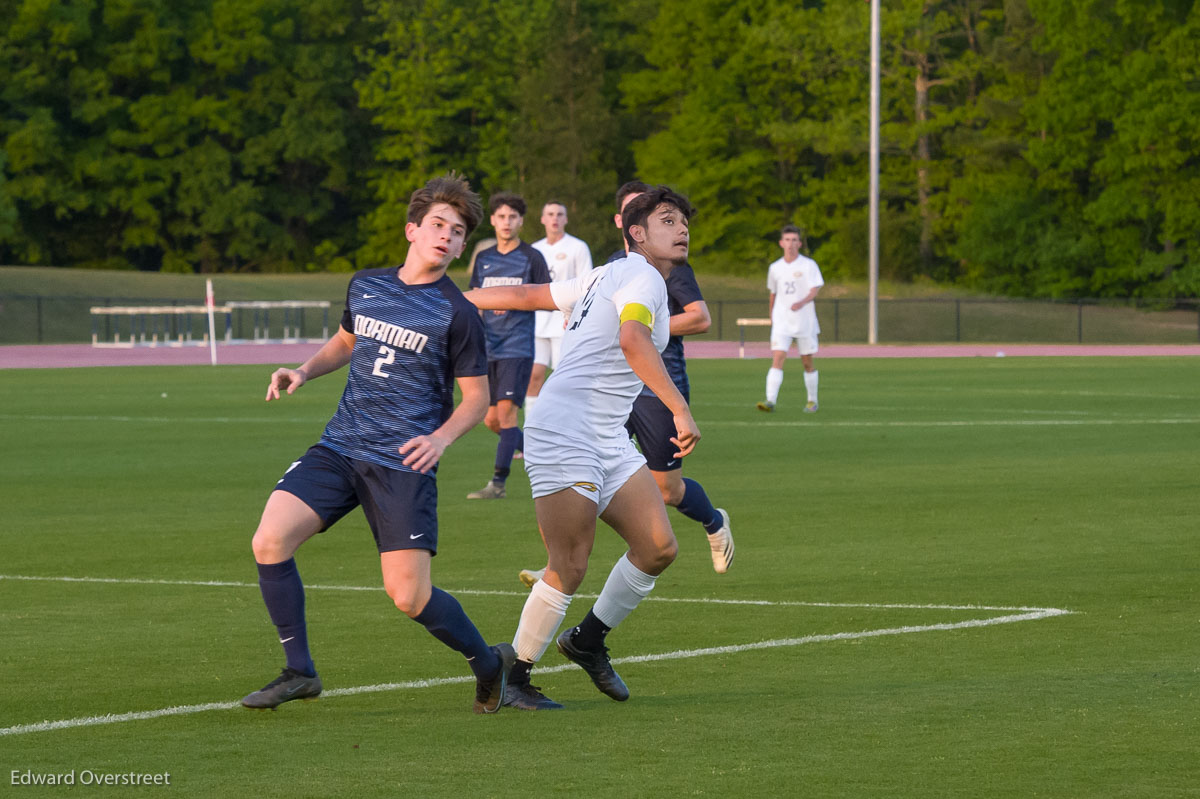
(595, 489)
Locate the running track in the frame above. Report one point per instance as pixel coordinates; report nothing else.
(57, 356)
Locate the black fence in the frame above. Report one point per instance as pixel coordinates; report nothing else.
(63, 319)
(1091, 321)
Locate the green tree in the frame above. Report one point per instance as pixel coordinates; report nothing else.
(191, 134)
(439, 84)
(566, 144)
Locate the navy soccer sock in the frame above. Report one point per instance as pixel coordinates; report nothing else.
(511, 440)
(696, 506)
(446, 621)
(283, 593)
(591, 632)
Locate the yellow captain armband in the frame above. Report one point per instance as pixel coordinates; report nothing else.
(637, 313)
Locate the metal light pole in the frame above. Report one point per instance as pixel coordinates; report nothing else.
(873, 223)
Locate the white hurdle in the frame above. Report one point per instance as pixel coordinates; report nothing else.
(172, 325)
(150, 325)
(742, 325)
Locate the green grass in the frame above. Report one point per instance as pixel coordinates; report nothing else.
(1051, 483)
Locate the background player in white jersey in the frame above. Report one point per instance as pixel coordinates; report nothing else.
(408, 336)
(567, 257)
(581, 462)
(794, 281)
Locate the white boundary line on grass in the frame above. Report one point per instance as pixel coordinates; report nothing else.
(479, 592)
(1026, 614)
(973, 423)
(710, 423)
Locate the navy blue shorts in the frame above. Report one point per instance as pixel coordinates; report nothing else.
(508, 379)
(653, 425)
(401, 507)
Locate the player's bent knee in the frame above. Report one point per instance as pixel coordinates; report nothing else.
(407, 601)
(571, 575)
(269, 547)
(667, 553)
(655, 560)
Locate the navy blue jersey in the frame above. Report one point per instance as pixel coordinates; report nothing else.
(509, 333)
(682, 290)
(410, 344)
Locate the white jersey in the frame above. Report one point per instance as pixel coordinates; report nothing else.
(590, 395)
(567, 259)
(790, 283)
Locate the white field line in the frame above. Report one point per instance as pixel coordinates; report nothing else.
(480, 592)
(37, 417)
(711, 423)
(1027, 614)
(963, 423)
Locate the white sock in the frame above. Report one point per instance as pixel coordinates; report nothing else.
(774, 381)
(529, 403)
(627, 585)
(543, 613)
(810, 383)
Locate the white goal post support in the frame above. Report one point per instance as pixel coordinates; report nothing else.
(742, 324)
(212, 327)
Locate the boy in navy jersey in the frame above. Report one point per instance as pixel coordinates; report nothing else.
(511, 262)
(408, 336)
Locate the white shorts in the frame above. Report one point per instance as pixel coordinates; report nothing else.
(596, 472)
(781, 342)
(546, 351)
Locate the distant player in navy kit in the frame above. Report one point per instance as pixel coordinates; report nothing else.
(511, 262)
(652, 423)
(408, 336)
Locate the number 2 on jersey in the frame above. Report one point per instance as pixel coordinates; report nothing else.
(386, 355)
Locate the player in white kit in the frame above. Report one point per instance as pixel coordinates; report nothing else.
(794, 281)
(567, 257)
(581, 461)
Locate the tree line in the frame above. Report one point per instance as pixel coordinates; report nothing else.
(1029, 147)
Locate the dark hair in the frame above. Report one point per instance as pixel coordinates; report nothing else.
(632, 187)
(791, 229)
(554, 202)
(451, 189)
(513, 201)
(639, 209)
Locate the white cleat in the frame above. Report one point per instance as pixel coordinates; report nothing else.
(489, 491)
(721, 543)
(530, 576)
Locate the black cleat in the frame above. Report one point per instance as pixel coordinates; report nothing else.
(289, 685)
(524, 696)
(489, 695)
(596, 664)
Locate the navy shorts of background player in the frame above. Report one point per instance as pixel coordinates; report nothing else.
(653, 425)
(508, 378)
(410, 343)
(509, 345)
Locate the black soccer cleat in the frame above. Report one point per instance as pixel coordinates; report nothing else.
(489, 694)
(524, 696)
(289, 685)
(596, 664)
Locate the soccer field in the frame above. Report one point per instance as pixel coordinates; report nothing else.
(962, 577)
